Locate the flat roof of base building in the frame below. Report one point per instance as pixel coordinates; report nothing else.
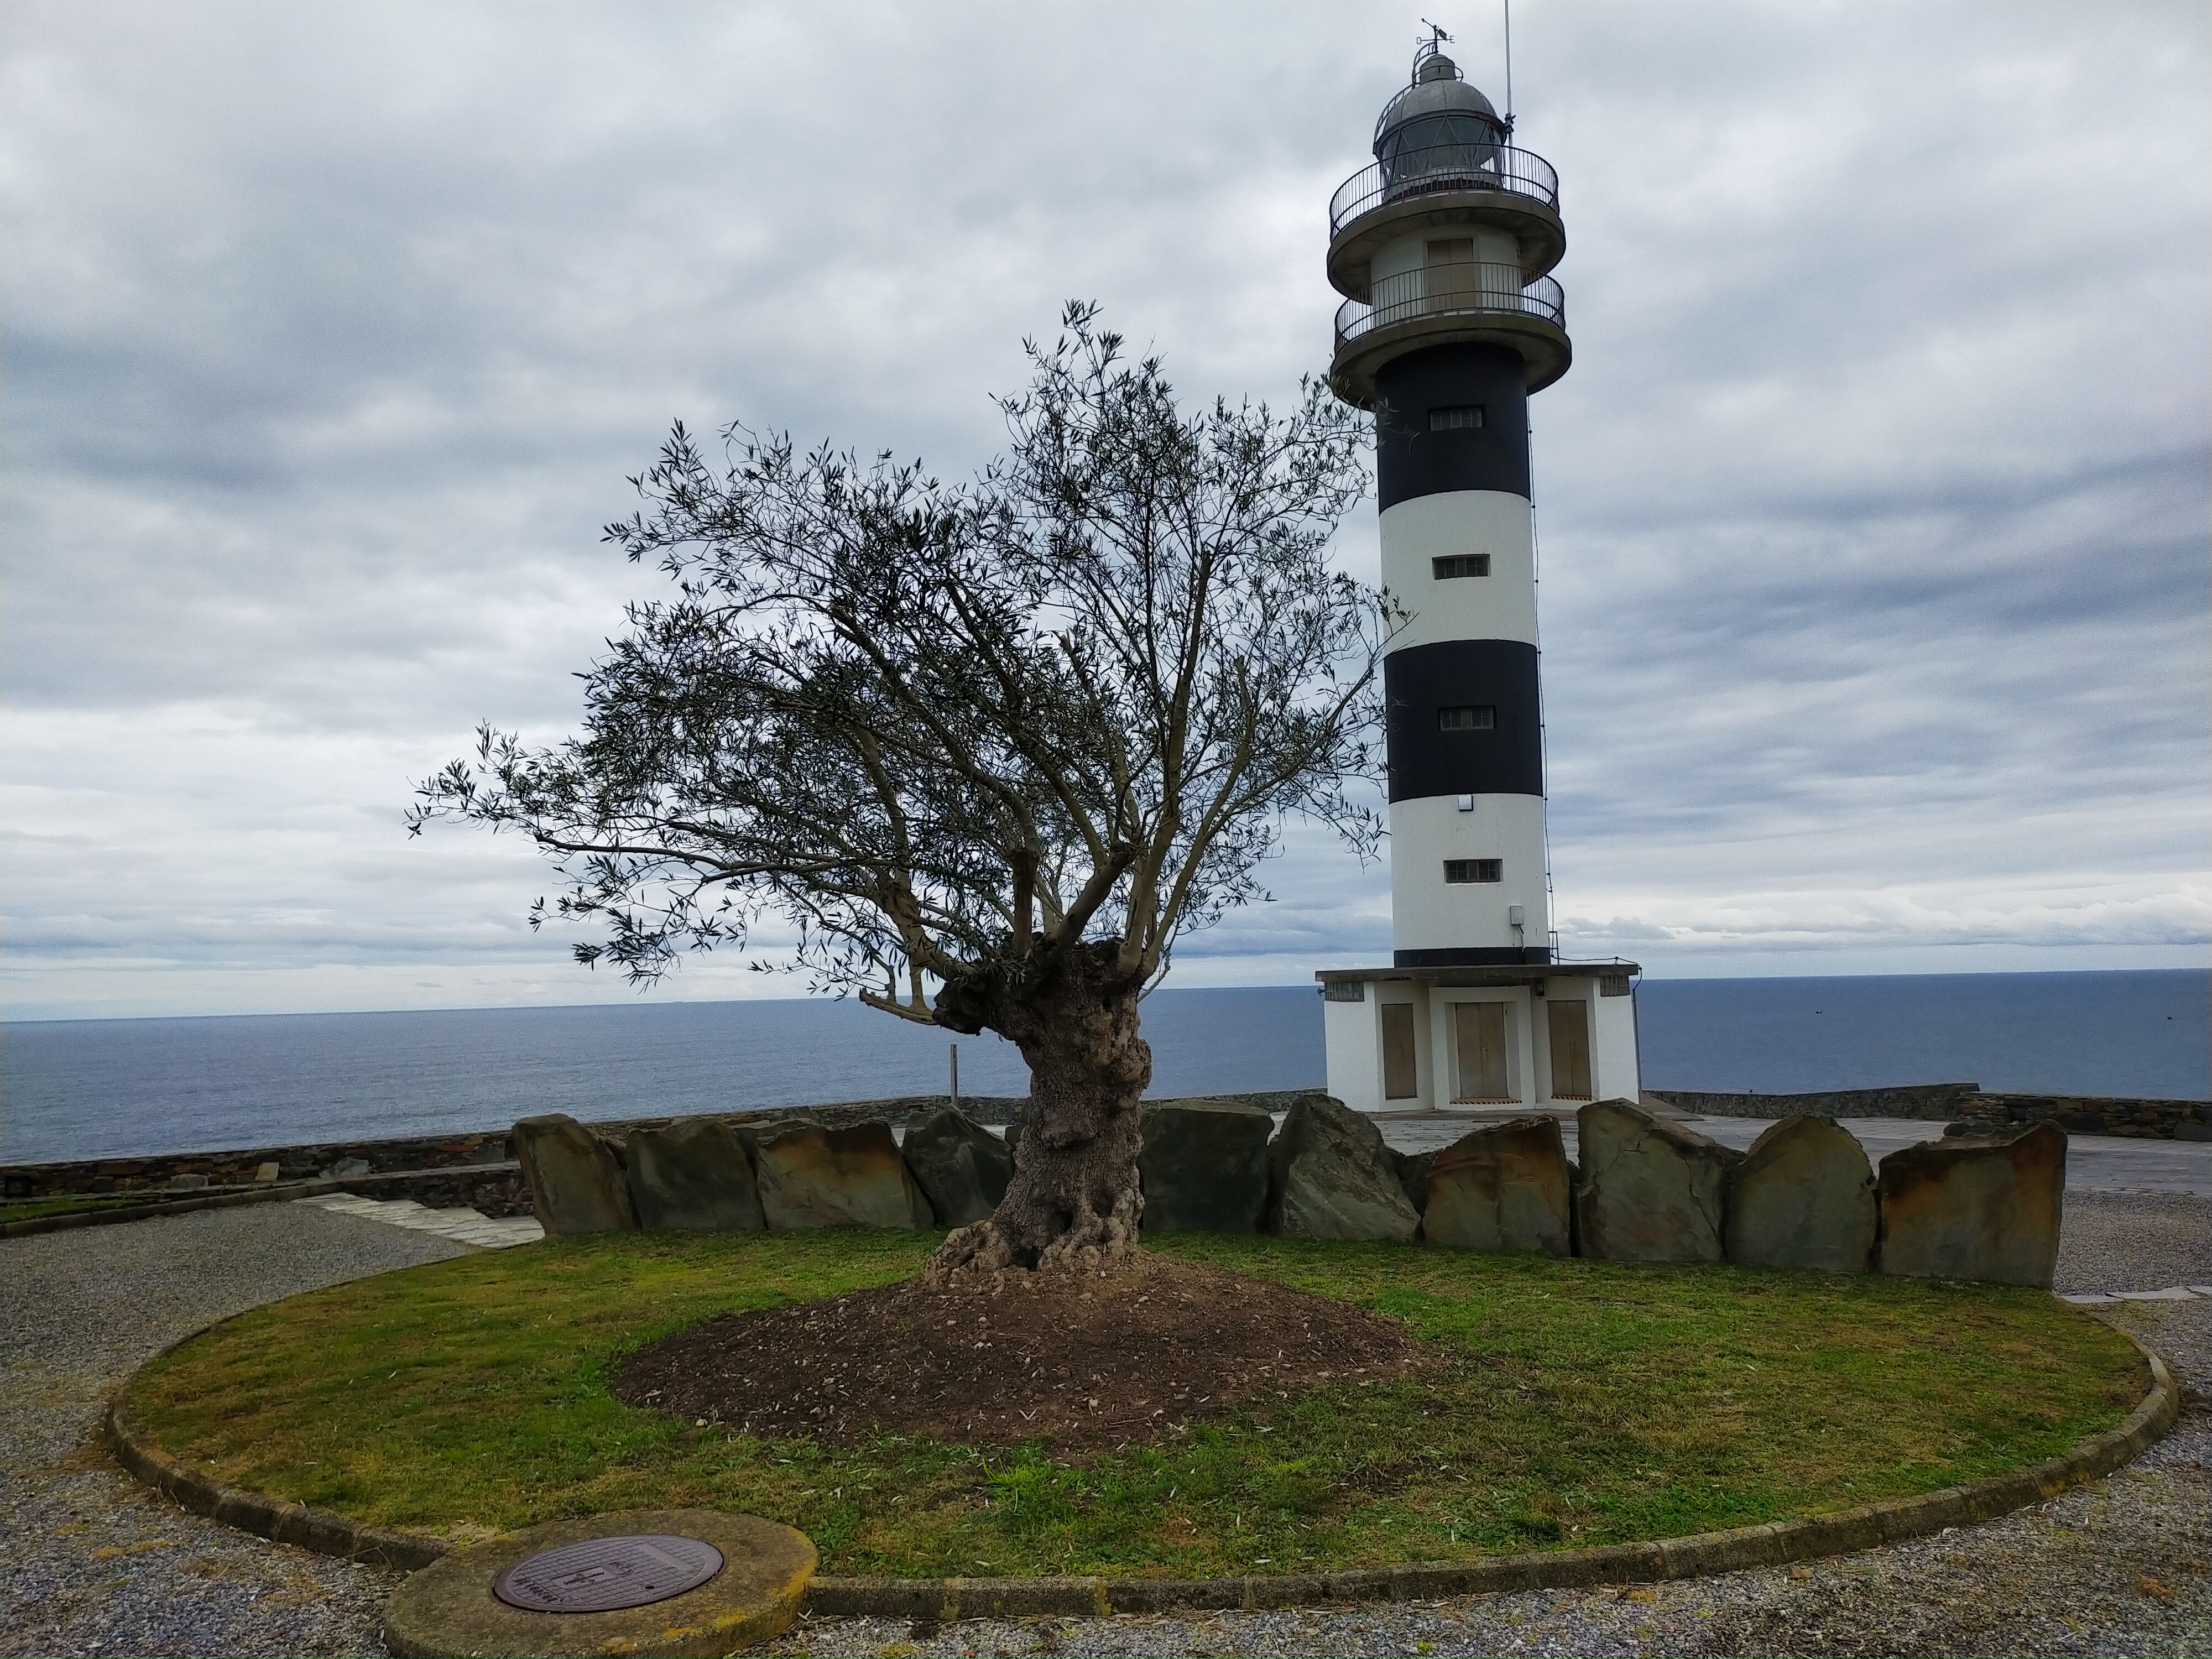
(1502, 973)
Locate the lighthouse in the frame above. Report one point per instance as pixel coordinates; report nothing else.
(1451, 320)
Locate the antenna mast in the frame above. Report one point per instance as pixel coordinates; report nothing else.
(1508, 65)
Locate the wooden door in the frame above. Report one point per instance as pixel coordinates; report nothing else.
(1479, 1035)
(1401, 1075)
(1448, 270)
(1571, 1059)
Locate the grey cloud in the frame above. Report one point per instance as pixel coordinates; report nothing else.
(1873, 514)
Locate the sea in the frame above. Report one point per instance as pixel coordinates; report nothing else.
(114, 1088)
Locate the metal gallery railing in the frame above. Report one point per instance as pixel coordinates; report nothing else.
(1439, 168)
(1460, 287)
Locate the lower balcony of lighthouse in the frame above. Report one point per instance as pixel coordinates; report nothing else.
(1473, 302)
(1481, 1039)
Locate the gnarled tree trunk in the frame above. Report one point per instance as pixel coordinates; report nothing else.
(1073, 1201)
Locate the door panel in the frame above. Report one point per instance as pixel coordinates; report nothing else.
(1478, 1038)
(1400, 1074)
(1448, 272)
(1571, 1055)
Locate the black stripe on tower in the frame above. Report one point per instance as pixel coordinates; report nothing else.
(1420, 452)
(1425, 758)
(1477, 956)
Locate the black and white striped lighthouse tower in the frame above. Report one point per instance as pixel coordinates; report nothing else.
(1443, 250)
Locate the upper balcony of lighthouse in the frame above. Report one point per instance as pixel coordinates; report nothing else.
(1449, 237)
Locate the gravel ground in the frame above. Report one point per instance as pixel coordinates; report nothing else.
(98, 1565)
(2133, 1241)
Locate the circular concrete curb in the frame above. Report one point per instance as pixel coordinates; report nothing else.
(1891, 1520)
(251, 1511)
(448, 1611)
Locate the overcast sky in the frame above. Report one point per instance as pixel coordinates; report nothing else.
(1873, 515)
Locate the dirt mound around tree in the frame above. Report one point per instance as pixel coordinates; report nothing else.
(1084, 1363)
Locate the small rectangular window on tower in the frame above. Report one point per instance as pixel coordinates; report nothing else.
(1461, 564)
(1455, 417)
(1474, 717)
(1461, 871)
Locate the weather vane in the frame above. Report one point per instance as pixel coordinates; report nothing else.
(1431, 47)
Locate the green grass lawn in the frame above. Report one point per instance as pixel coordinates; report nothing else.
(1582, 1403)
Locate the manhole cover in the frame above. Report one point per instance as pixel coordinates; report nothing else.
(602, 1574)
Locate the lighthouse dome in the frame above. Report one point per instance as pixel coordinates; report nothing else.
(1438, 109)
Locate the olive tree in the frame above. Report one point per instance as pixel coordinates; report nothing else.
(987, 749)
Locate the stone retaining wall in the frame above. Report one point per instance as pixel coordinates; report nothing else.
(2087, 1115)
(493, 1189)
(1932, 1103)
(237, 1167)
(1965, 1108)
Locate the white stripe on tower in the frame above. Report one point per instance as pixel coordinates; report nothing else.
(1451, 320)
(1430, 832)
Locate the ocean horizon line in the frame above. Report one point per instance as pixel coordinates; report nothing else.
(146, 1083)
(648, 1000)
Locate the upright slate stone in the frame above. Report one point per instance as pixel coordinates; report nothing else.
(1505, 1187)
(694, 1175)
(1203, 1166)
(813, 1177)
(1802, 1197)
(1975, 1207)
(1651, 1189)
(577, 1183)
(1329, 1175)
(961, 1167)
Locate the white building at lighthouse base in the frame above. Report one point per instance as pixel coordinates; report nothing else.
(1554, 1035)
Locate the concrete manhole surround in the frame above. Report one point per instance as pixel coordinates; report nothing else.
(460, 1605)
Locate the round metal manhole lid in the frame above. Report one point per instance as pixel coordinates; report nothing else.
(602, 1575)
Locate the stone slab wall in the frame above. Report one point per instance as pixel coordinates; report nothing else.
(1648, 1188)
